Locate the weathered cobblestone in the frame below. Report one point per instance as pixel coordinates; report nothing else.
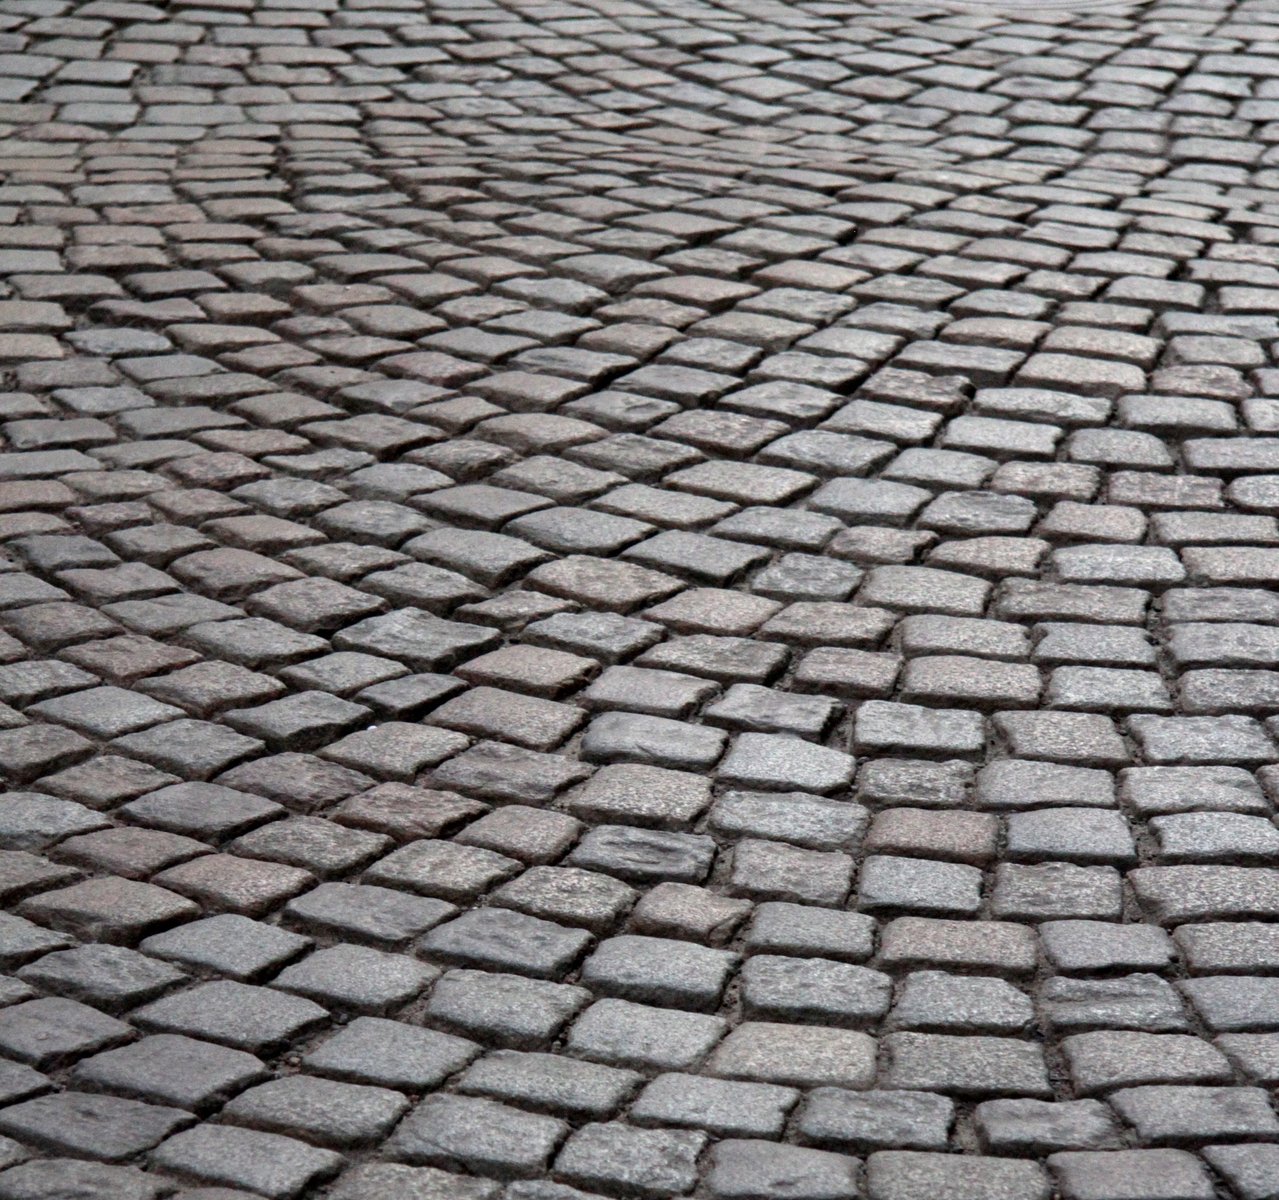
(638, 600)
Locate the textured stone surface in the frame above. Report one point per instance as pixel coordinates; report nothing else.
(638, 600)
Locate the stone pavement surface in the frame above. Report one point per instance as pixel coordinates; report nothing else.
(638, 598)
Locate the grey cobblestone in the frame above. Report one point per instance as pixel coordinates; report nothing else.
(638, 601)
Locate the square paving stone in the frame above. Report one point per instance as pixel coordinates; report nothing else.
(374, 1181)
(919, 1175)
(1076, 739)
(228, 944)
(797, 817)
(924, 589)
(1070, 834)
(21, 941)
(395, 749)
(344, 672)
(110, 909)
(1015, 783)
(51, 1032)
(890, 883)
(722, 1107)
(1131, 1175)
(500, 939)
(170, 1069)
(391, 1054)
(385, 916)
(243, 885)
(19, 1083)
(1140, 1002)
(1231, 838)
(279, 1167)
(405, 813)
(31, 821)
(1181, 1115)
(505, 1009)
(1083, 946)
(799, 929)
(966, 1066)
(532, 835)
(568, 895)
(442, 869)
(1104, 1061)
(621, 1033)
(752, 1169)
(1032, 1127)
(28, 682)
(876, 1120)
(1176, 895)
(604, 584)
(1055, 890)
(636, 794)
(106, 712)
(196, 749)
(996, 947)
(798, 1055)
(883, 726)
(101, 1127)
(498, 771)
(110, 977)
(468, 1133)
(534, 669)
(1250, 1170)
(778, 762)
(605, 636)
(304, 721)
(1227, 946)
(962, 836)
(46, 1178)
(420, 641)
(106, 781)
(319, 1110)
(659, 971)
(13, 991)
(654, 693)
(1233, 740)
(1255, 1054)
(235, 1014)
(696, 914)
(356, 977)
(754, 709)
(642, 1162)
(944, 1003)
(724, 659)
(35, 750)
(1227, 1004)
(775, 871)
(529, 721)
(12, 1152)
(206, 811)
(645, 855)
(618, 737)
(550, 1083)
(814, 990)
(208, 687)
(133, 853)
(315, 844)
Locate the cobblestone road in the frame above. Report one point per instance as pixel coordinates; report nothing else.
(638, 598)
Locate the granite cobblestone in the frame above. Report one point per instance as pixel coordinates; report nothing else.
(629, 600)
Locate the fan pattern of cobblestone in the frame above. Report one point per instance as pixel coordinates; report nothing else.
(612, 599)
